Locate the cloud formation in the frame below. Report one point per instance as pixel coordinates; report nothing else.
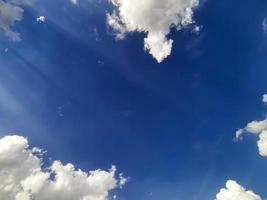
(22, 176)
(257, 128)
(234, 191)
(153, 17)
(10, 12)
(41, 19)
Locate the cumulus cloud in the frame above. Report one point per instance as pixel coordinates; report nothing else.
(153, 17)
(254, 127)
(262, 143)
(10, 12)
(22, 176)
(257, 128)
(234, 191)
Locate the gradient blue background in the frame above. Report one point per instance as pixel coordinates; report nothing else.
(88, 99)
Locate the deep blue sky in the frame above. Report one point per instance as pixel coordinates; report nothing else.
(75, 91)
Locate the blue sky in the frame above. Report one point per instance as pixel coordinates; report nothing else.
(75, 90)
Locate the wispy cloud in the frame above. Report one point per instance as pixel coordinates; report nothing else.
(264, 25)
(11, 12)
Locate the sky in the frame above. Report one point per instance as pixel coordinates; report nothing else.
(170, 92)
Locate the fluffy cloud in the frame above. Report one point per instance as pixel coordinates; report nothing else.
(22, 176)
(153, 17)
(262, 143)
(10, 12)
(257, 128)
(234, 191)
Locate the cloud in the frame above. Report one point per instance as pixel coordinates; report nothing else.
(234, 191)
(264, 25)
(22, 2)
(262, 143)
(10, 12)
(22, 176)
(264, 98)
(75, 2)
(153, 17)
(40, 19)
(257, 128)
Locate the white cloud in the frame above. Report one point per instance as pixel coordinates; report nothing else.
(254, 127)
(10, 12)
(153, 17)
(257, 128)
(75, 2)
(239, 134)
(264, 98)
(262, 143)
(22, 176)
(40, 19)
(234, 191)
